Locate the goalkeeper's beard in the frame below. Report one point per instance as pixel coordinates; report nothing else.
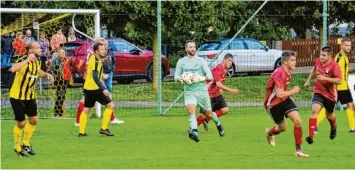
(191, 53)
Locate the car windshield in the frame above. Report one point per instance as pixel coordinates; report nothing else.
(210, 46)
(124, 46)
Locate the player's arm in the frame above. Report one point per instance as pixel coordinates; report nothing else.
(178, 71)
(310, 77)
(280, 86)
(44, 74)
(16, 67)
(226, 88)
(337, 76)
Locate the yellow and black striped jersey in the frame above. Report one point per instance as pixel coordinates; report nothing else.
(94, 64)
(343, 62)
(23, 83)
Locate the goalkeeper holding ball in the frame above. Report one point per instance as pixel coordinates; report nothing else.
(193, 72)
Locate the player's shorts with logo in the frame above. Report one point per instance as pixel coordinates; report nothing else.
(328, 104)
(92, 96)
(279, 111)
(23, 107)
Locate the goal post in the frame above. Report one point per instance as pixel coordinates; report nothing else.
(95, 12)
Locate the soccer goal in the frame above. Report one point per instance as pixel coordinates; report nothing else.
(85, 23)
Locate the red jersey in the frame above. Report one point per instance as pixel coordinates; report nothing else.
(325, 88)
(219, 75)
(280, 78)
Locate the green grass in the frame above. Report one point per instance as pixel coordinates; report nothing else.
(252, 89)
(162, 142)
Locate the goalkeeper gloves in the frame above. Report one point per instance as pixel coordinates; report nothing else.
(197, 78)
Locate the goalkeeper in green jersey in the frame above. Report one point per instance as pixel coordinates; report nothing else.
(193, 71)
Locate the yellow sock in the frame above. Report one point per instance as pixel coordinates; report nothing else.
(83, 121)
(320, 116)
(106, 118)
(29, 129)
(17, 138)
(351, 118)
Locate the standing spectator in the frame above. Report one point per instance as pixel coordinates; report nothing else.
(19, 46)
(71, 36)
(28, 38)
(44, 43)
(6, 50)
(62, 77)
(57, 40)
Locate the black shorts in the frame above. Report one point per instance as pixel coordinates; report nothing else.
(329, 105)
(279, 111)
(92, 96)
(217, 103)
(344, 96)
(23, 107)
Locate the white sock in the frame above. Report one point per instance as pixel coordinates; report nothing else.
(193, 121)
(215, 119)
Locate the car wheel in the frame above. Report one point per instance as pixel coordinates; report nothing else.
(277, 63)
(125, 81)
(150, 73)
(231, 72)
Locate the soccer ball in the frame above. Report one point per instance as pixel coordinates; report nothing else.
(186, 77)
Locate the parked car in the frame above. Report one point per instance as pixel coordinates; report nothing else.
(132, 62)
(250, 56)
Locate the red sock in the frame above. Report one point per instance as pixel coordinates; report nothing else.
(199, 120)
(78, 112)
(273, 131)
(312, 123)
(112, 116)
(298, 133)
(333, 123)
(219, 113)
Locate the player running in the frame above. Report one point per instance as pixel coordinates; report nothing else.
(215, 90)
(279, 104)
(328, 76)
(193, 72)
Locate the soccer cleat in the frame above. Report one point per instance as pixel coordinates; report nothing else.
(193, 135)
(309, 139)
(352, 131)
(21, 153)
(28, 149)
(76, 124)
(82, 134)
(270, 139)
(220, 130)
(106, 132)
(205, 125)
(301, 154)
(333, 134)
(117, 121)
(316, 130)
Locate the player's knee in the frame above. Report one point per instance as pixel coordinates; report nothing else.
(297, 123)
(20, 124)
(350, 106)
(225, 110)
(33, 120)
(111, 105)
(209, 114)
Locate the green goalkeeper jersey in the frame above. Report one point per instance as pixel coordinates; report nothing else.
(195, 65)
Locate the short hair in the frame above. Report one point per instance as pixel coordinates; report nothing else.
(345, 40)
(287, 54)
(328, 49)
(29, 45)
(28, 31)
(96, 46)
(44, 33)
(190, 41)
(227, 56)
(99, 39)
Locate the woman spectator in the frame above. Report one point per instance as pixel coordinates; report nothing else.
(19, 46)
(60, 70)
(57, 40)
(71, 36)
(44, 43)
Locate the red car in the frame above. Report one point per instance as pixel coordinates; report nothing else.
(131, 62)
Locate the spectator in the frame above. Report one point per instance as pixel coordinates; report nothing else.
(6, 50)
(57, 40)
(44, 43)
(71, 36)
(19, 46)
(60, 70)
(28, 38)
